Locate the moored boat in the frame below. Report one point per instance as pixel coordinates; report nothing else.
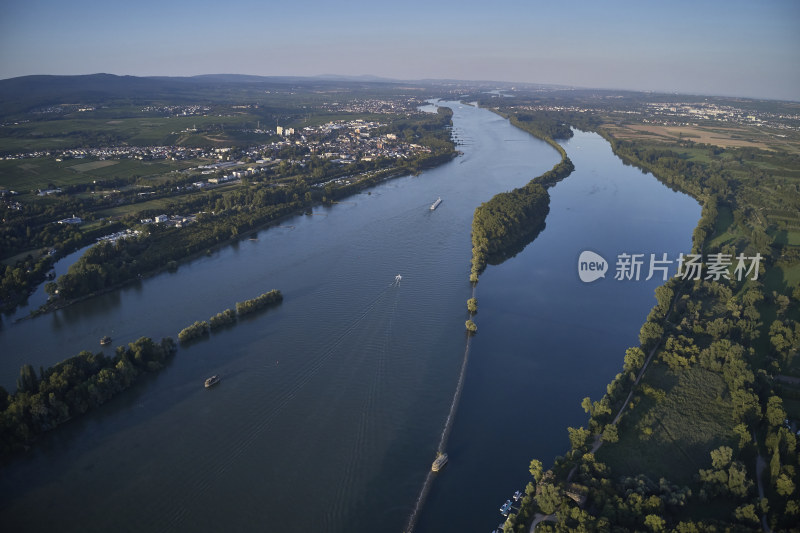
(105, 340)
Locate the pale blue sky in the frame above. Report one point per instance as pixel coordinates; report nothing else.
(740, 48)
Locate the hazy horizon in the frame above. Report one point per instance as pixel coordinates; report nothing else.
(734, 48)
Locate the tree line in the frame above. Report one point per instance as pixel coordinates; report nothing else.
(228, 316)
(72, 387)
(509, 221)
(739, 339)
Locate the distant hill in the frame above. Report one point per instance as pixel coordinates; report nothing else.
(31, 92)
(28, 93)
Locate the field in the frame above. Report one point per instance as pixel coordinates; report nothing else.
(670, 436)
(25, 175)
(94, 165)
(70, 131)
(716, 135)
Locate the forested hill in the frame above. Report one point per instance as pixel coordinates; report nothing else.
(29, 93)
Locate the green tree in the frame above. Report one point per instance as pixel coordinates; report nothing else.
(472, 328)
(610, 433)
(27, 381)
(775, 414)
(548, 498)
(536, 469)
(655, 523)
(650, 334)
(472, 305)
(578, 437)
(775, 464)
(743, 434)
(50, 288)
(784, 485)
(747, 513)
(664, 297)
(721, 457)
(634, 359)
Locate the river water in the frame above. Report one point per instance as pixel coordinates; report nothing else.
(546, 339)
(331, 405)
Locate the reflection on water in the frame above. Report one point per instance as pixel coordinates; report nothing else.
(546, 340)
(337, 397)
(335, 401)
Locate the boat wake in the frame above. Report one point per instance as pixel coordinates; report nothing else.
(448, 426)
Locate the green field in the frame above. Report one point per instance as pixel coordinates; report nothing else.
(25, 175)
(692, 418)
(65, 132)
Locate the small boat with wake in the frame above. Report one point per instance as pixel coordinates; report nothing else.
(213, 380)
(440, 461)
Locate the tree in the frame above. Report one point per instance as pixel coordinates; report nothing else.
(27, 381)
(721, 457)
(472, 328)
(578, 437)
(784, 485)
(747, 513)
(664, 297)
(654, 522)
(634, 359)
(775, 413)
(51, 288)
(610, 433)
(744, 435)
(536, 469)
(472, 305)
(650, 334)
(775, 464)
(548, 498)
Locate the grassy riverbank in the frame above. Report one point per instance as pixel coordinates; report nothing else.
(675, 447)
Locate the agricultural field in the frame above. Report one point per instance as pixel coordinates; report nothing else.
(715, 135)
(73, 132)
(26, 175)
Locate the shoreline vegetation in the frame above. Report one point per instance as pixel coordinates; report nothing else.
(87, 270)
(509, 221)
(228, 317)
(694, 433)
(73, 387)
(76, 385)
(223, 218)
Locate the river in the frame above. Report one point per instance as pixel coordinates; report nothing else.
(546, 339)
(331, 405)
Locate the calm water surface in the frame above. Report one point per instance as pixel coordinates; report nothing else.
(545, 339)
(330, 406)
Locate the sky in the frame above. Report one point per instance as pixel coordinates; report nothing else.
(727, 48)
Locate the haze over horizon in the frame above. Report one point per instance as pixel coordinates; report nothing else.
(737, 48)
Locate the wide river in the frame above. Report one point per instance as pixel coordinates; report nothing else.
(331, 406)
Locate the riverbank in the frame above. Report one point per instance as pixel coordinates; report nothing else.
(290, 210)
(537, 318)
(331, 382)
(509, 221)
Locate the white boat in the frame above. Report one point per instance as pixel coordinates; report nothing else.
(435, 204)
(440, 461)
